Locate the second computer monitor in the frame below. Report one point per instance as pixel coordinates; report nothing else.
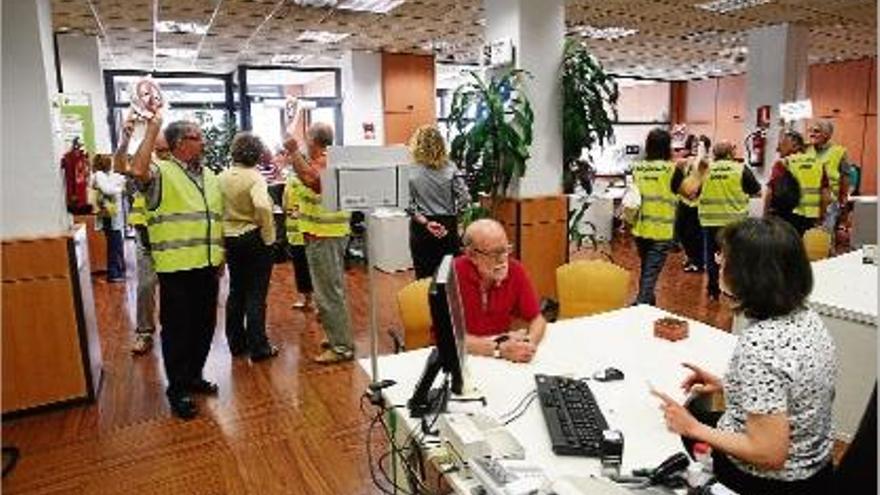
(447, 314)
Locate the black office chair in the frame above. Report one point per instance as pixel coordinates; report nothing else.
(857, 471)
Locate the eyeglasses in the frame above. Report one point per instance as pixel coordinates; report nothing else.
(497, 254)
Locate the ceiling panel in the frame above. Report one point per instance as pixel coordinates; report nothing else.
(674, 38)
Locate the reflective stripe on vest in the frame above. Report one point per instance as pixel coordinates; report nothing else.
(316, 220)
(808, 173)
(293, 192)
(722, 200)
(186, 229)
(138, 213)
(657, 212)
(830, 159)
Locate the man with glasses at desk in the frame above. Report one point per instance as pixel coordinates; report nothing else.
(495, 289)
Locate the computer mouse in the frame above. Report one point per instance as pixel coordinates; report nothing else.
(612, 373)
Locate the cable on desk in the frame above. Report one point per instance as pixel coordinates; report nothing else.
(523, 411)
(412, 475)
(531, 394)
(369, 446)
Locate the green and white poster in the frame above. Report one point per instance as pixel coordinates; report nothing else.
(73, 114)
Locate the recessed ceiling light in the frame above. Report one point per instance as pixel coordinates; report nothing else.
(181, 27)
(725, 6)
(176, 52)
(605, 33)
(374, 6)
(325, 37)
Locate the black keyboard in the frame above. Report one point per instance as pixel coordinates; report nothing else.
(573, 418)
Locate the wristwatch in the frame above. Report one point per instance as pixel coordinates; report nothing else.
(498, 341)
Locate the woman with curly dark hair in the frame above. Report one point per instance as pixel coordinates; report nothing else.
(249, 231)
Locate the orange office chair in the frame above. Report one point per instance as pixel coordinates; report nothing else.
(415, 315)
(817, 242)
(590, 286)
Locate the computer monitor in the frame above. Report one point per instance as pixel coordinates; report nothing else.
(450, 352)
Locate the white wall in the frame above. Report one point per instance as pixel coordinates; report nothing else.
(537, 30)
(30, 177)
(81, 73)
(362, 97)
(777, 72)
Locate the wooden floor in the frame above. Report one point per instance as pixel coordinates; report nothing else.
(282, 426)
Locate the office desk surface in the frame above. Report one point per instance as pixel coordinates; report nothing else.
(845, 287)
(579, 347)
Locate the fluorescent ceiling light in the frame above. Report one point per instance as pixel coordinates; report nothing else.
(176, 52)
(606, 33)
(315, 3)
(181, 27)
(325, 37)
(374, 6)
(281, 59)
(725, 6)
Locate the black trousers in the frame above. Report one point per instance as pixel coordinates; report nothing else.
(710, 241)
(428, 251)
(250, 268)
(690, 234)
(301, 269)
(188, 313)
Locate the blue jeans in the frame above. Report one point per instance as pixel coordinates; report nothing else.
(653, 256)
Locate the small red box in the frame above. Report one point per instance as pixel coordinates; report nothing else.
(671, 329)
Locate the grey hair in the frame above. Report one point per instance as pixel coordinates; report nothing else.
(825, 127)
(176, 130)
(321, 134)
(246, 149)
(477, 226)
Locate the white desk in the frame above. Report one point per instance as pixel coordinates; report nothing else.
(579, 347)
(845, 296)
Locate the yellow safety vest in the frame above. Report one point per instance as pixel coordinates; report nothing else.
(808, 173)
(318, 221)
(186, 229)
(657, 212)
(138, 214)
(293, 193)
(830, 160)
(722, 200)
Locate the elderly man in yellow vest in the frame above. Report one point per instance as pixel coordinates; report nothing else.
(834, 162)
(184, 222)
(137, 219)
(325, 234)
(723, 199)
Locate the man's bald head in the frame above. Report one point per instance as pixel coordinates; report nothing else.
(486, 244)
(723, 150)
(320, 135)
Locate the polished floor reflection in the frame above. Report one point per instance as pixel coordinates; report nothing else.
(285, 425)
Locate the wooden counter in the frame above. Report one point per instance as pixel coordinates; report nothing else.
(51, 349)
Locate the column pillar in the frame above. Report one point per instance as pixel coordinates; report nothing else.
(536, 221)
(362, 97)
(777, 72)
(81, 72)
(33, 202)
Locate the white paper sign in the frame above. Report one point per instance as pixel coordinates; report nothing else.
(796, 110)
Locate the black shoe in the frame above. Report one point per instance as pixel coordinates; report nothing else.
(263, 354)
(203, 387)
(183, 406)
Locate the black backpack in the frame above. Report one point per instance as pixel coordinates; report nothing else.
(786, 193)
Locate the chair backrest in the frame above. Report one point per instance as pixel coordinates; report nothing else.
(817, 242)
(590, 286)
(415, 314)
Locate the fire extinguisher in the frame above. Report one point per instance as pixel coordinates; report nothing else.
(756, 142)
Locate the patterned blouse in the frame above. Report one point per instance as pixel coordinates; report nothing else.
(785, 364)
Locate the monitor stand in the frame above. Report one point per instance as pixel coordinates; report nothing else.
(426, 400)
